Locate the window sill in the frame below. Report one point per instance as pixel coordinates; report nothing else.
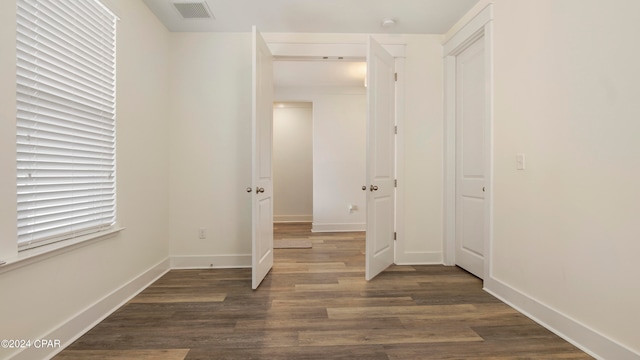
(31, 256)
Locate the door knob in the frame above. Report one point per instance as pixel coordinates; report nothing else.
(373, 188)
(249, 189)
(364, 187)
(259, 190)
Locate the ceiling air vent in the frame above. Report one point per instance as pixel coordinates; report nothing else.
(193, 10)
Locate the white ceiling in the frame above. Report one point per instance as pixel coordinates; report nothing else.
(317, 16)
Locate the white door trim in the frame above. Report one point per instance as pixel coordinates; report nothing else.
(282, 46)
(283, 50)
(479, 26)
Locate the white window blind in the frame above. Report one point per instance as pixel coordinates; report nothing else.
(65, 120)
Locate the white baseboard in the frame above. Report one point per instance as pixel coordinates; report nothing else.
(315, 227)
(576, 333)
(84, 320)
(210, 261)
(419, 258)
(292, 218)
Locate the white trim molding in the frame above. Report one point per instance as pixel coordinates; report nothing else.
(211, 261)
(315, 227)
(30, 256)
(292, 218)
(401, 255)
(587, 339)
(469, 32)
(291, 50)
(418, 258)
(86, 319)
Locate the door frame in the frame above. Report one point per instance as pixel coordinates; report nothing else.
(356, 48)
(481, 26)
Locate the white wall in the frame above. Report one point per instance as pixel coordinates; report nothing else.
(40, 297)
(210, 148)
(422, 153)
(565, 238)
(339, 147)
(293, 162)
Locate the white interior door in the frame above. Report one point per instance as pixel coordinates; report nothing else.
(262, 173)
(470, 168)
(380, 159)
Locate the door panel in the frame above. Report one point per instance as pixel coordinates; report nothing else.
(472, 214)
(380, 160)
(470, 169)
(262, 172)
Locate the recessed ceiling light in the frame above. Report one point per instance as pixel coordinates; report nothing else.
(386, 23)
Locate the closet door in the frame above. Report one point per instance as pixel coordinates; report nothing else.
(470, 157)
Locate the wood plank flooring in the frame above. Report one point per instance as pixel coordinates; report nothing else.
(315, 304)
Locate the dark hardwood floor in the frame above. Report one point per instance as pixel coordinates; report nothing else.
(315, 304)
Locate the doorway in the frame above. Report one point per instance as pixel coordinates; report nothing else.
(381, 130)
(293, 162)
(329, 95)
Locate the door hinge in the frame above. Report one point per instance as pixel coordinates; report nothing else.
(395, 236)
(396, 76)
(395, 129)
(395, 183)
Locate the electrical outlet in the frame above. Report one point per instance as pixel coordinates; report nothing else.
(202, 233)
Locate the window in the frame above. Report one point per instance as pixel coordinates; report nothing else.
(65, 120)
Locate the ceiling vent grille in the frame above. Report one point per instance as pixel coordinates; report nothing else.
(193, 10)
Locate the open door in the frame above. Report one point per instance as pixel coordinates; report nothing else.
(380, 249)
(262, 173)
